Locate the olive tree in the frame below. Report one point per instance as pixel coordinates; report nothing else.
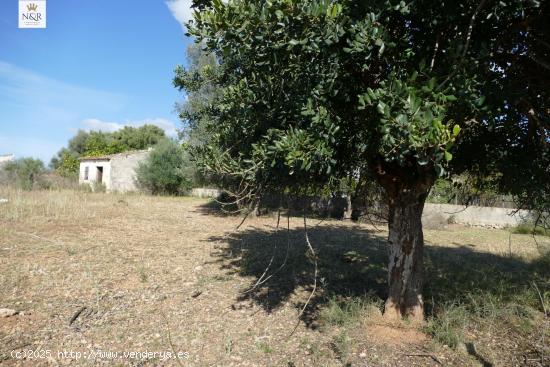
(313, 91)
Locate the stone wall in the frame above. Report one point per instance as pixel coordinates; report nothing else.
(473, 215)
(205, 193)
(123, 170)
(436, 215)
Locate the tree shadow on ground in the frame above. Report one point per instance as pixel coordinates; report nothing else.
(216, 208)
(352, 262)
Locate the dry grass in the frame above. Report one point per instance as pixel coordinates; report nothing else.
(163, 274)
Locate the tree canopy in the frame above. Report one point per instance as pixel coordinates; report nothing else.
(24, 172)
(313, 91)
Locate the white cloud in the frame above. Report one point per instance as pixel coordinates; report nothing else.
(181, 10)
(95, 124)
(98, 125)
(37, 111)
(28, 89)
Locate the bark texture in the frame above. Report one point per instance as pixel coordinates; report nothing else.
(407, 190)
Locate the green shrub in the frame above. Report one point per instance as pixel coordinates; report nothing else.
(24, 173)
(530, 229)
(68, 165)
(448, 327)
(167, 170)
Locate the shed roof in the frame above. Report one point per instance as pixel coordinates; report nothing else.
(109, 156)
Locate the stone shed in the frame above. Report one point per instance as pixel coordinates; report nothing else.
(115, 171)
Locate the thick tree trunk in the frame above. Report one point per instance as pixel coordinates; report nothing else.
(406, 247)
(407, 190)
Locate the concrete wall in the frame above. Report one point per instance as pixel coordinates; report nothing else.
(123, 167)
(436, 216)
(205, 193)
(92, 166)
(473, 215)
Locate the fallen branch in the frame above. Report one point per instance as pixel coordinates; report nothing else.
(314, 255)
(261, 280)
(77, 314)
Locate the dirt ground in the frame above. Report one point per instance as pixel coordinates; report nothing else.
(95, 277)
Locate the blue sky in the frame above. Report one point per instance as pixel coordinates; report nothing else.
(99, 64)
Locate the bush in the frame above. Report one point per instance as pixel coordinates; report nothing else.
(167, 170)
(24, 172)
(527, 228)
(68, 165)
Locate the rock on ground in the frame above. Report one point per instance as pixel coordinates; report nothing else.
(7, 312)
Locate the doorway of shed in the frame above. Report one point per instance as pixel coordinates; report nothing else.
(99, 175)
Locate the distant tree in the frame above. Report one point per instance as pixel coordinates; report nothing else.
(77, 144)
(76, 147)
(310, 92)
(101, 143)
(166, 170)
(200, 76)
(138, 138)
(69, 164)
(25, 172)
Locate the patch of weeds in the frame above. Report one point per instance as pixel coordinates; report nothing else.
(482, 310)
(313, 349)
(202, 281)
(264, 347)
(519, 311)
(229, 346)
(316, 352)
(530, 229)
(341, 345)
(448, 326)
(339, 312)
(70, 251)
(143, 277)
(99, 187)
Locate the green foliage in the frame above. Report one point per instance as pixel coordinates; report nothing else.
(309, 92)
(25, 172)
(341, 344)
(465, 191)
(68, 164)
(100, 143)
(412, 117)
(448, 327)
(130, 138)
(195, 112)
(348, 311)
(199, 79)
(167, 170)
(531, 230)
